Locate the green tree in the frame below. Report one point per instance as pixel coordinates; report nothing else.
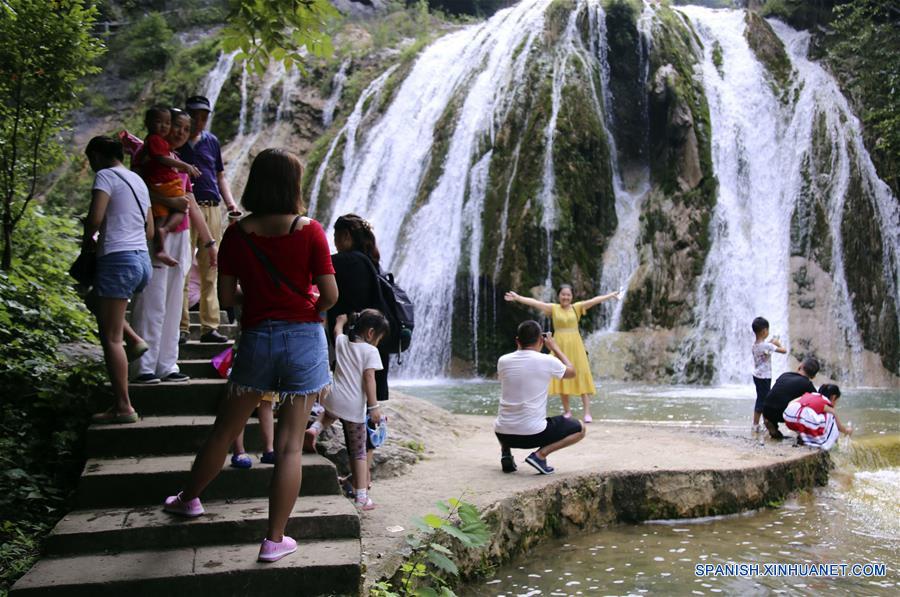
(46, 49)
(865, 58)
(280, 30)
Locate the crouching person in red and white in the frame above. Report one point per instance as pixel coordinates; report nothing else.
(813, 417)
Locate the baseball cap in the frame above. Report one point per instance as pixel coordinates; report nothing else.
(198, 102)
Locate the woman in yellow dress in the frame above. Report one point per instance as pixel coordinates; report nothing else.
(565, 316)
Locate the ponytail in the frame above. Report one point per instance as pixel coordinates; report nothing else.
(367, 319)
(361, 234)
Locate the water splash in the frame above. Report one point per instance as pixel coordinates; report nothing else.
(337, 87)
(215, 80)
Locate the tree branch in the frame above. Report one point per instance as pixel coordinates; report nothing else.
(34, 165)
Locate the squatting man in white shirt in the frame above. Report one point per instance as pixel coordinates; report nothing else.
(521, 418)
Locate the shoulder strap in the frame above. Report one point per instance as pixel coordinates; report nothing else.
(277, 277)
(136, 200)
(294, 224)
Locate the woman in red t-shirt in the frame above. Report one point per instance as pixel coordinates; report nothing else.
(276, 256)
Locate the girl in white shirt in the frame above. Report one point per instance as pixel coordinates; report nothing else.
(353, 392)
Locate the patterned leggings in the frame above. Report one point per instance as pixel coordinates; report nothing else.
(355, 438)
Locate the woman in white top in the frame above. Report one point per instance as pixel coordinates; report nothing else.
(117, 228)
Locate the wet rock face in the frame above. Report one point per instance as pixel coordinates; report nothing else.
(626, 85)
(675, 221)
(770, 51)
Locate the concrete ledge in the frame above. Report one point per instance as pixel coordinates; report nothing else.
(160, 436)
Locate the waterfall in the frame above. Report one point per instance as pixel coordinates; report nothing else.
(547, 197)
(382, 179)
(760, 146)
(621, 257)
(363, 109)
(337, 86)
(242, 115)
(215, 80)
(238, 151)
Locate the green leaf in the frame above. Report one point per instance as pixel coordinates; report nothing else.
(440, 548)
(442, 562)
(425, 592)
(434, 521)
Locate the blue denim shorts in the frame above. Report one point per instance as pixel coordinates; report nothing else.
(282, 356)
(121, 274)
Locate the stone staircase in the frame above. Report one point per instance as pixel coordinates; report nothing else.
(118, 541)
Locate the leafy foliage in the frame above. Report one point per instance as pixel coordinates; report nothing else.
(864, 55)
(429, 559)
(146, 45)
(278, 30)
(46, 50)
(44, 410)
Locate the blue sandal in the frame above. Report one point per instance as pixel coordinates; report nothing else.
(241, 460)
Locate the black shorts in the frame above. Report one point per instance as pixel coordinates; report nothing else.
(763, 385)
(558, 428)
(773, 414)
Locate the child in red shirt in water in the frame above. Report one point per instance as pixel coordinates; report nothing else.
(158, 168)
(813, 417)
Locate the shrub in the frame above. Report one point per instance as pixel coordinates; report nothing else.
(145, 45)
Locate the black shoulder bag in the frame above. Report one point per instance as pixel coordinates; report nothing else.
(84, 267)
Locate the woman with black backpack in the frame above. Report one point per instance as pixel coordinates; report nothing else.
(355, 265)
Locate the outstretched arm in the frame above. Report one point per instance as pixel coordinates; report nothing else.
(845, 429)
(599, 299)
(541, 306)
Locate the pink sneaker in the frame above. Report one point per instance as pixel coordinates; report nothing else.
(588, 419)
(366, 505)
(270, 551)
(309, 440)
(567, 414)
(175, 505)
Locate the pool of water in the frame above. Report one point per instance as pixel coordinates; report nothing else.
(854, 520)
(872, 411)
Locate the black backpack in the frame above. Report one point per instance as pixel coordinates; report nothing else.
(396, 306)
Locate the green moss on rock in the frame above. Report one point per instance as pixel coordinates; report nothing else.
(770, 51)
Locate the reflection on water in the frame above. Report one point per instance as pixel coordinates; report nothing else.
(660, 558)
(856, 519)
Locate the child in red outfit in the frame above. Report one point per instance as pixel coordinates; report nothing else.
(158, 168)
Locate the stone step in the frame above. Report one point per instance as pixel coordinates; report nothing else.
(317, 568)
(195, 397)
(160, 436)
(229, 330)
(201, 350)
(195, 316)
(198, 368)
(124, 482)
(239, 521)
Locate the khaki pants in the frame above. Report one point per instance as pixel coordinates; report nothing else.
(209, 299)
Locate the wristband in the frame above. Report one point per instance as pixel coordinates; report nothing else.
(210, 244)
(373, 407)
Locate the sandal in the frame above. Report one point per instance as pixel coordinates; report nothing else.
(347, 486)
(241, 460)
(588, 419)
(136, 351)
(111, 417)
(367, 505)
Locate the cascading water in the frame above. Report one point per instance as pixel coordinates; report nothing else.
(363, 108)
(760, 145)
(382, 179)
(621, 259)
(238, 151)
(337, 86)
(215, 80)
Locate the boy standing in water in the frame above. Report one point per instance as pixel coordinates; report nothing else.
(762, 365)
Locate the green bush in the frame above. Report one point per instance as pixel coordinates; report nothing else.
(143, 46)
(46, 397)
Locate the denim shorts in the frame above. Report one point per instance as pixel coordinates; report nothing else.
(121, 274)
(286, 357)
